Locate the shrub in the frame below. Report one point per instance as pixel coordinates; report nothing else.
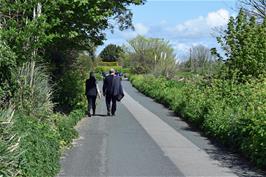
(33, 92)
(233, 113)
(42, 142)
(65, 126)
(70, 92)
(9, 145)
(108, 64)
(100, 69)
(40, 145)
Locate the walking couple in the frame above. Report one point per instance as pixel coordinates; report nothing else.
(112, 90)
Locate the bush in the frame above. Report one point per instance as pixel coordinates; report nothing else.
(100, 69)
(65, 126)
(108, 64)
(9, 145)
(70, 92)
(33, 92)
(40, 145)
(233, 113)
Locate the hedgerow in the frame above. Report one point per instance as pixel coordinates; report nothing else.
(233, 113)
(32, 136)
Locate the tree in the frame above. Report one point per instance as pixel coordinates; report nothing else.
(200, 59)
(55, 32)
(60, 25)
(244, 43)
(111, 53)
(256, 8)
(151, 55)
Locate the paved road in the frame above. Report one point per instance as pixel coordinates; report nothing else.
(146, 139)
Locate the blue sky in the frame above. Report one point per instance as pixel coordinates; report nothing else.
(183, 23)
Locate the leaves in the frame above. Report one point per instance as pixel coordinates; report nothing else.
(233, 113)
(244, 42)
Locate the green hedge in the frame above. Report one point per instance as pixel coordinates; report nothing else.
(233, 113)
(108, 64)
(100, 69)
(42, 142)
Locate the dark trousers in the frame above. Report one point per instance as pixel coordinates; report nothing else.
(108, 100)
(91, 103)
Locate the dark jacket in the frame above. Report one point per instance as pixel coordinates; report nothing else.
(91, 88)
(112, 85)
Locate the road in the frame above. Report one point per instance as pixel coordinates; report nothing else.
(146, 139)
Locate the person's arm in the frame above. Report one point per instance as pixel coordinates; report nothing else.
(98, 90)
(104, 86)
(86, 87)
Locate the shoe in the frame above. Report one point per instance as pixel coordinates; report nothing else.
(108, 114)
(113, 114)
(89, 114)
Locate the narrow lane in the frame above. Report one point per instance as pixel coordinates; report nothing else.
(115, 146)
(144, 139)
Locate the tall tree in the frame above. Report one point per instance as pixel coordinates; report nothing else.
(32, 26)
(111, 53)
(255, 7)
(151, 55)
(244, 43)
(199, 58)
(54, 32)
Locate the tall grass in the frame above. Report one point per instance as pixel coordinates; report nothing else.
(33, 94)
(9, 145)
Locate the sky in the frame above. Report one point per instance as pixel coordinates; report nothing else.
(184, 23)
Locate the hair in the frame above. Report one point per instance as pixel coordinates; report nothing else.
(92, 78)
(112, 71)
(92, 74)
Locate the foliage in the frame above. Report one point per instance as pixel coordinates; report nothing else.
(65, 125)
(100, 69)
(9, 145)
(108, 64)
(111, 53)
(200, 61)
(7, 64)
(33, 92)
(40, 145)
(244, 42)
(30, 26)
(233, 113)
(151, 55)
(70, 80)
(42, 142)
(37, 152)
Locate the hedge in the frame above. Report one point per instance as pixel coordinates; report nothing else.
(234, 114)
(41, 142)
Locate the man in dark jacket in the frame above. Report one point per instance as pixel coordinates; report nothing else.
(112, 88)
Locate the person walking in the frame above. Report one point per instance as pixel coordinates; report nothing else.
(91, 92)
(112, 90)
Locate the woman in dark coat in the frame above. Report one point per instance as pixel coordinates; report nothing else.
(91, 92)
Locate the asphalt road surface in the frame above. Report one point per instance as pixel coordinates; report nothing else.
(146, 139)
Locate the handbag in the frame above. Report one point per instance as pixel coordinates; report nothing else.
(120, 96)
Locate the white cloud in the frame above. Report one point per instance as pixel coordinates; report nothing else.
(201, 26)
(140, 29)
(218, 18)
(181, 47)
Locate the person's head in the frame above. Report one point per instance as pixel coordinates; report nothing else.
(92, 75)
(112, 71)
